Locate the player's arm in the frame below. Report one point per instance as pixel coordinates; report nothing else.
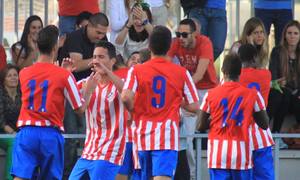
(202, 121)
(129, 89)
(262, 119)
(201, 69)
(191, 99)
(80, 64)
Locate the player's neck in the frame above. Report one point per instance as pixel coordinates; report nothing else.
(159, 56)
(104, 80)
(45, 58)
(249, 65)
(227, 79)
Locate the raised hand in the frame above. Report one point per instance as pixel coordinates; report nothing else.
(68, 64)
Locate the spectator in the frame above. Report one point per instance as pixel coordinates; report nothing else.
(119, 11)
(285, 70)
(135, 33)
(254, 33)
(82, 19)
(2, 58)
(195, 53)
(25, 52)
(145, 55)
(276, 12)
(293, 143)
(211, 15)
(69, 10)
(159, 9)
(10, 104)
(134, 59)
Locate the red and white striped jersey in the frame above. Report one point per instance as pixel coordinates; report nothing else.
(44, 89)
(260, 79)
(231, 108)
(105, 125)
(159, 87)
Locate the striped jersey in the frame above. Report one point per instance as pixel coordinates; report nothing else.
(105, 125)
(159, 87)
(45, 87)
(231, 108)
(260, 79)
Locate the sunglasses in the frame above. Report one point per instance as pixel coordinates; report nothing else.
(183, 34)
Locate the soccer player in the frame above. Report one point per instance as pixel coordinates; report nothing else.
(231, 108)
(261, 140)
(105, 120)
(154, 92)
(45, 86)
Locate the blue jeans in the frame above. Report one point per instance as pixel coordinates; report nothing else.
(66, 24)
(278, 17)
(213, 24)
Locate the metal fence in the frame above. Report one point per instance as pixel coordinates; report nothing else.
(199, 138)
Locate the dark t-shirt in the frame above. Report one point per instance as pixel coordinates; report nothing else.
(78, 42)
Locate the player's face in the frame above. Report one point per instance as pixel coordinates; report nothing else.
(34, 29)
(101, 56)
(11, 79)
(258, 35)
(96, 32)
(185, 36)
(133, 60)
(292, 36)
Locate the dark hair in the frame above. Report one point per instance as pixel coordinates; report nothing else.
(247, 53)
(119, 62)
(232, 66)
(24, 37)
(160, 40)
(190, 23)
(111, 50)
(47, 39)
(99, 19)
(85, 15)
(141, 36)
(145, 55)
(3, 73)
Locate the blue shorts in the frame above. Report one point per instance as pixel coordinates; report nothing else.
(41, 147)
(127, 167)
(224, 174)
(157, 163)
(97, 169)
(263, 168)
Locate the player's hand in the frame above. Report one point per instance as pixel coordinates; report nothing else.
(281, 81)
(68, 64)
(250, 39)
(92, 82)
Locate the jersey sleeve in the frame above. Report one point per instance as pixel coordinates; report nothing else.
(259, 104)
(131, 80)
(205, 104)
(190, 92)
(71, 92)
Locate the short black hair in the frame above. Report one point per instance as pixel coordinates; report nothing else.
(160, 40)
(111, 50)
(47, 39)
(99, 19)
(247, 53)
(189, 22)
(232, 66)
(85, 15)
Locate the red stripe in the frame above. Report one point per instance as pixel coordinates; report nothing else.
(247, 155)
(254, 139)
(238, 157)
(162, 136)
(211, 154)
(229, 155)
(152, 136)
(142, 134)
(263, 138)
(172, 136)
(219, 154)
(191, 89)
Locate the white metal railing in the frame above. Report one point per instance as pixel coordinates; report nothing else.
(199, 138)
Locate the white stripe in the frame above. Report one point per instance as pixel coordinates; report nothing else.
(243, 154)
(258, 137)
(187, 93)
(74, 91)
(224, 154)
(233, 155)
(214, 153)
(167, 139)
(148, 135)
(126, 84)
(251, 143)
(256, 106)
(265, 132)
(176, 138)
(157, 136)
(205, 102)
(48, 123)
(38, 123)
(208, 152)
(138, 134)
(27, 122)
(103, 118)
